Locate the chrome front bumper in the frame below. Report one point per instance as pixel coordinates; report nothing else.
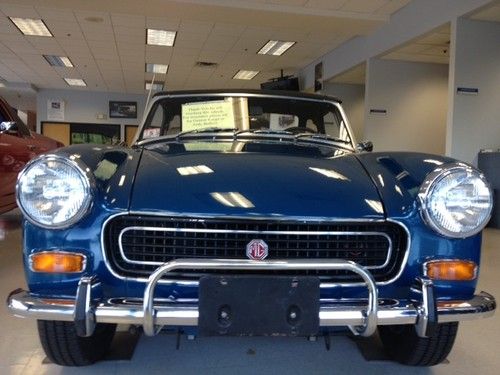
(361, 316)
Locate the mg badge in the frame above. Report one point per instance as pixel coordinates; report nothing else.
(257, 250)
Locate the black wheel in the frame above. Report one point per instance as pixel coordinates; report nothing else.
(64, 347)
(402, 343)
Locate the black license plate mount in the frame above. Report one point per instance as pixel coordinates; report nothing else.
(258, 305)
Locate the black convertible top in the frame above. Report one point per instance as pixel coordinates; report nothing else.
(292, 94)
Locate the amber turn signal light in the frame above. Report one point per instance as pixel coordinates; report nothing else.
(457, 270)
(57, 262)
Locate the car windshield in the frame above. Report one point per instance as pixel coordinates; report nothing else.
(258, 114)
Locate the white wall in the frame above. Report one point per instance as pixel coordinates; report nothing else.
(83, 106)
(474, 120)
(415, 97)
(353, 102)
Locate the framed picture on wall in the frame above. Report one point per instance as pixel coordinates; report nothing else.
(122, 109)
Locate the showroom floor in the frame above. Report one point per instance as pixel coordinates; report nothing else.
(476, 349)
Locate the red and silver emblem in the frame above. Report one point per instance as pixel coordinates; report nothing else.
(257, 250)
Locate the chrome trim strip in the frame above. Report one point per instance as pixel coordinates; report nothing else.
(21, 303)
(283, 218)
(256, 232)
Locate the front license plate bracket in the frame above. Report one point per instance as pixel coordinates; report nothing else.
(258, 305)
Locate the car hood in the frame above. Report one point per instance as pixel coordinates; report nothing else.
(254, 185)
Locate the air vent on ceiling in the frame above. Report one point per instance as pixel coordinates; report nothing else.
(205, 64)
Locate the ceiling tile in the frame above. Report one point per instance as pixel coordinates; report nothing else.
(62, 29)
(162, 23)
(364, 6)
(128, 20)
(258, 32)
(190, 40)
(185, 52)
(50, 14)
(7, 27)
(20, 46)
(158, 55)
(99, 35)
(220, 43)
(89, 19)
(488, 14)
(326, 4)
(435, 39)
(231, 29)
(14, 10)
(392, 7)
(200, 27)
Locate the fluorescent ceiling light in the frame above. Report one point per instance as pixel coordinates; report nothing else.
(157, 68)
(30, 26)
(75, 82)
(59, 61)
(245, 74)
(275, 48)
(154, 86)
(161, 37)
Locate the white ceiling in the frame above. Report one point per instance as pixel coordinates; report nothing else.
(491, 13)
(429, 48)
(110, 54)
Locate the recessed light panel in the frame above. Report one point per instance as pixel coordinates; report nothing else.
(75, 82)
(154, 86)
(245, 74)
(161, 37)
(31, 26)
(275, 48)
(59, 61)
(157, 68)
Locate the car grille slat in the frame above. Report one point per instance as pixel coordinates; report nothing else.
(148, 241)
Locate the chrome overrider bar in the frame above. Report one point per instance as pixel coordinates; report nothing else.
(361, 316)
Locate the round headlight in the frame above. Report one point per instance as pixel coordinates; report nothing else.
(456, 200)
(53, 192)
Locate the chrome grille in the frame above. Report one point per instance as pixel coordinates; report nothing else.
(136, 245)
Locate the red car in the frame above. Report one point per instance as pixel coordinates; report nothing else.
(18, 145)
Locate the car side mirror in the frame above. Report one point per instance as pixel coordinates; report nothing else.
(9, 127)
(366, 146)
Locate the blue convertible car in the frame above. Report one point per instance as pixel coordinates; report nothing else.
(250, 213)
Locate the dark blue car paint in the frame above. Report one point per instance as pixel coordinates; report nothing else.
(276, 184)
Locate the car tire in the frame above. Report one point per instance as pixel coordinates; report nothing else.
(402, 344)
(64, 347)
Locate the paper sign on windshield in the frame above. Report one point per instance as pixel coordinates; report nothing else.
(216, 114)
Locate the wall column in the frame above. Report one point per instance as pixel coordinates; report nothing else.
(474, 118)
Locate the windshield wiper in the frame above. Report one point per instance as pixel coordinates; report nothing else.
(263, 131)
(322, 137)
(206, 130)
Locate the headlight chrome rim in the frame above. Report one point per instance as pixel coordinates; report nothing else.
(88, 186)
(427, 187)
